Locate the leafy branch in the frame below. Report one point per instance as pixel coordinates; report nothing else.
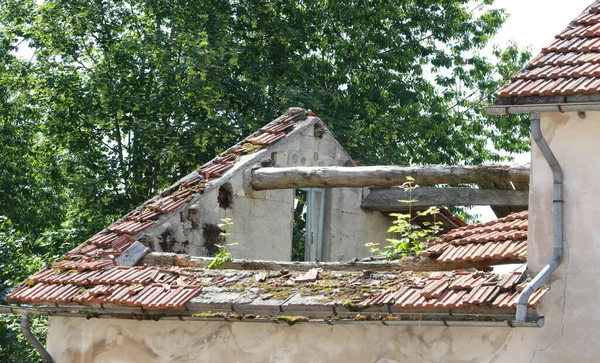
(412, 238)
(223, 255)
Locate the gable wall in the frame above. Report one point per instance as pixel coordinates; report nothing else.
(262, 220)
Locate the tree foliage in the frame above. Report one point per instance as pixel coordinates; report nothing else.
(117, 99)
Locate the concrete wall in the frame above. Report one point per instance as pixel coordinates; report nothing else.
(571, 333)
(122, 341)
(263, 220)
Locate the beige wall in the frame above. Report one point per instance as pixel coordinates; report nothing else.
(573, 329)
(571, 333)
(121, 341)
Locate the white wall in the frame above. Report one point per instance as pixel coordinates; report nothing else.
(263, 220)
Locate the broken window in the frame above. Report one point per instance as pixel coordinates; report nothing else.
(307, 236)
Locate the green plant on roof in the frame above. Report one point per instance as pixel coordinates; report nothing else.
(412, 239)
(223, 255)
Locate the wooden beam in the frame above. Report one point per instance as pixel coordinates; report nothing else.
(417, 264)
(387, 199)
(382, 176)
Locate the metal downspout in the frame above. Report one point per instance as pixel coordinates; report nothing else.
(33, 340)
(557, 212)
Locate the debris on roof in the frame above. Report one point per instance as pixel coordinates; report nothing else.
(268, 293)
(98, 265)
(100, 274)
(570, 65)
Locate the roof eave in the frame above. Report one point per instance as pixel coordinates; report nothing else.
(406, 319)
(533, 104)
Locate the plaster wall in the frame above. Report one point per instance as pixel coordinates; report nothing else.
(263, 220)
(571, 332)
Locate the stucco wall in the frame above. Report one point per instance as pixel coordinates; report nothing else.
(572, 320)
(571, 333)
(120, 341)
(262, 220)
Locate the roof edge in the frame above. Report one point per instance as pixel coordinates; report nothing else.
(449, 319)
(538, 100)
(524, 108)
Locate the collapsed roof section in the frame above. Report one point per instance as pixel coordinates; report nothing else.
(118, 244)
(100, 276)
(334, 292)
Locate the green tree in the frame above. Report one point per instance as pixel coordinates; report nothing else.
(123, 97)
(141, 92)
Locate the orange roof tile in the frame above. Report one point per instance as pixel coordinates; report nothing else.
(93, 263)
(569, 65)
(500, 240)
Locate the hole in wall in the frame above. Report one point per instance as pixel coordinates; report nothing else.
(225, 197)
(168, 242)
(212, 237)
(319, 131)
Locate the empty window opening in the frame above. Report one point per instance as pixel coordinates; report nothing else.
(307, 236)
(225, 197)
(299, 229)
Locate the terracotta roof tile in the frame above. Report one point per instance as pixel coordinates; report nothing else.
(172, 288)
(91, 265)
(499, 240)
(569, 65)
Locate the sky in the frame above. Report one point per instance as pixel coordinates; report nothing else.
(536, 22)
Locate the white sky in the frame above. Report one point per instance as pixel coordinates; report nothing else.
(536, 22)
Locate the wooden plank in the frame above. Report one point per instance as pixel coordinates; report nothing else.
(417, 264)
(382, 176)
(499, 211)
(387, 199)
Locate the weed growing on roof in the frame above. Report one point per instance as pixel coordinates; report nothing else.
(291, 320)
(352, 306)
(412, 238)
(90, 315)
(223, 255)
(250, 148)
(210, 315)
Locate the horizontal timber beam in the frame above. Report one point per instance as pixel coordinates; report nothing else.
(387, 199)
(382, 176)
(417, 264)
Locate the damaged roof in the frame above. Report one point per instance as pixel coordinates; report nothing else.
(114, 249)
(569, 65)
(100, 275)
(315, 294)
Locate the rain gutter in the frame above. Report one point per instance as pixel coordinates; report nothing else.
(548, 107)
(557, 213)
(26, 329)
(444, 320)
